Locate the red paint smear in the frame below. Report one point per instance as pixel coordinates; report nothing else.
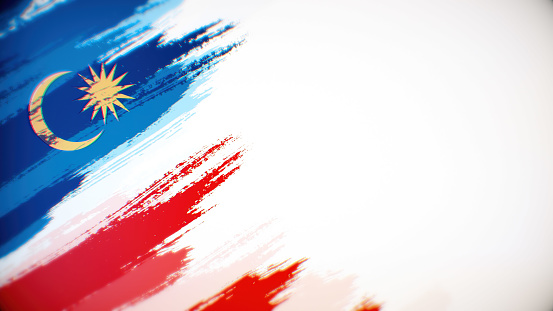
(111, 252)
(253, 291)
(367, 305)
(149, 278)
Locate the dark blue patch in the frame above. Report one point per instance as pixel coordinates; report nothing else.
(67, 22)
(10, 9)
(25, 215)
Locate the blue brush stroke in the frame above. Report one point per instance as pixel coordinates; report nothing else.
(9, 13)
(42, 171)
(39, 49)
(62, 112)
(32, 213)
(73, 19)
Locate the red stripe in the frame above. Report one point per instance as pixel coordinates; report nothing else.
(253, 291)
(149, 278)
(126, 242)
(367, 305)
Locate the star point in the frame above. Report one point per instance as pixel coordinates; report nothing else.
(103, 92)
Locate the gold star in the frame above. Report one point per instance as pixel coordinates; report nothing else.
(103, 92)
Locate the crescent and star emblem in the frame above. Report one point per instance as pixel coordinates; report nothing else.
(102, 93)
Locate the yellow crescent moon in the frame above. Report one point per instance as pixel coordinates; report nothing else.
(39, 125)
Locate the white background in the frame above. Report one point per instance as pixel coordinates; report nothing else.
(406, 143)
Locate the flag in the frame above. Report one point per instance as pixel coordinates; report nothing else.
(287, 155)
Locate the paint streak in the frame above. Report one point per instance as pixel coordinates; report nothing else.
(127, 241)
(32, 212)
(253, 291)
(30, 172)
(367, 305)
(149, 278)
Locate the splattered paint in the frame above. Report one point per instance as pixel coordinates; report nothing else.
(124, 249)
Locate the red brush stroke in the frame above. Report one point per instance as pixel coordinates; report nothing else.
(153, 275)
(126, 242)
(367, 305)
(253, 291)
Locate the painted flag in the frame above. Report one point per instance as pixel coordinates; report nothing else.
(276, 155)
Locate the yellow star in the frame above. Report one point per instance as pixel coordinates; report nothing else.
(103, 92)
